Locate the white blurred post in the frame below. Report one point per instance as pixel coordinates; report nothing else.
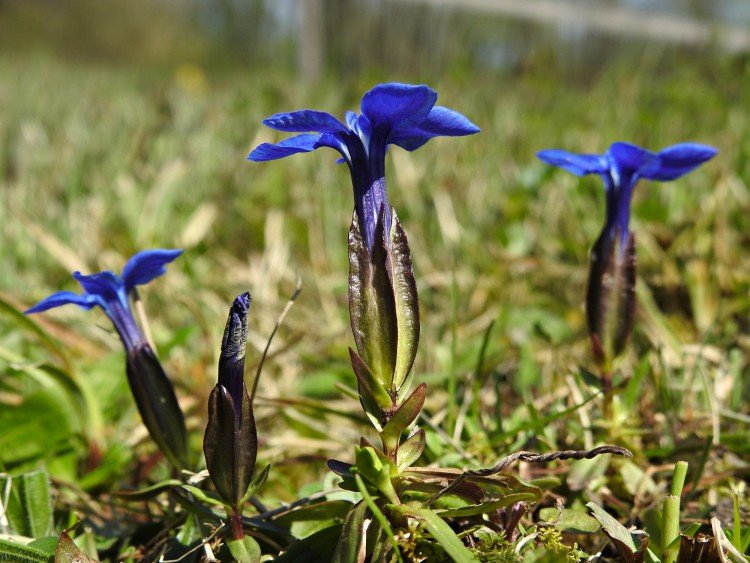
(310, 39)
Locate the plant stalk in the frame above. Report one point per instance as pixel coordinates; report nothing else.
(671, 515)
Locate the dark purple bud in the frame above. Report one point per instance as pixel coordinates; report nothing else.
(232, 359)
(230, 443)
(157, 404)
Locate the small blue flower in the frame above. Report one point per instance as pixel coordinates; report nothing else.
(392, 114)
(110, 292)
(621, 167)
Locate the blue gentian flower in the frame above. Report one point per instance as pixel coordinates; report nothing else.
(610, 295)
(621, 167)
(110, 292)
(392, 114)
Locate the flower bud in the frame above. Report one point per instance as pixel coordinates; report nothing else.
(230, 443)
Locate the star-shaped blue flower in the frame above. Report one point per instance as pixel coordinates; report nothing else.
(621, 167)
(110, 292)
(392, 114)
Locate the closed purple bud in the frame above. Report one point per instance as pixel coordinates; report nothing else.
(230, 443)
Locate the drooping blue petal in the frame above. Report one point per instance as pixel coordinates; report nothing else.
(677, 160)
(447, 123)
(578, 164)
(147, 265)
(63, 298)
(304, 121)
(410, 138)
(394, 103)
(293, 145)
(441, 121)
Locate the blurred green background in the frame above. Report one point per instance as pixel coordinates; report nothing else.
(125, 125)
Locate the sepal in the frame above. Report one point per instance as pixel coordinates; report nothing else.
(157, 404)
(373, 397)
(406, 303)
(230, 444)
(371, 305)
(610, 296)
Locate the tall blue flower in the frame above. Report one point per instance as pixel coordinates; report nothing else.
(110, 292)
(392, 114)
(610, 296)
(620, 169)
(151, 388)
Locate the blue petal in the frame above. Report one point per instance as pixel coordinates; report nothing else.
(441, 121)
(447, 122)
(104, 286)
(305, 120)
(351, 119)
(630, 158)
(410, 138)
(678, 160)
(578, 164)
(63, 298)
(147, 265)
(293, 145)
(393, 103)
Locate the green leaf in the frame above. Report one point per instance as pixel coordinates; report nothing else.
(485, 507)
(157, 404)
(406, 413)
(441, 531)
(150, 492)
(257, 483)
(29, 507)
(245, 550)
(410, 451)
(327, 510)
(204, 496)
(621, 537)
(406, 302)
(68, 552)
(368, 463)
(371, 305)
(352, 546)
(16, 553)
(567, 520)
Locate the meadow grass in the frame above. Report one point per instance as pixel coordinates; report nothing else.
(97, 163)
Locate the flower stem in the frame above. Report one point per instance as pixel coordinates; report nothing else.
(607, 403)
(238, 530)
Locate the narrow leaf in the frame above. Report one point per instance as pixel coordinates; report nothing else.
(406, 413)
(17, 553)
(29, 507)
(621, 537)
(441, 531)
(245, 550)
(410, 450)
(352, 544)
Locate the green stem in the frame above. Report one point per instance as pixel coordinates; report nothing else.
(671, 515)
(607, 403)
